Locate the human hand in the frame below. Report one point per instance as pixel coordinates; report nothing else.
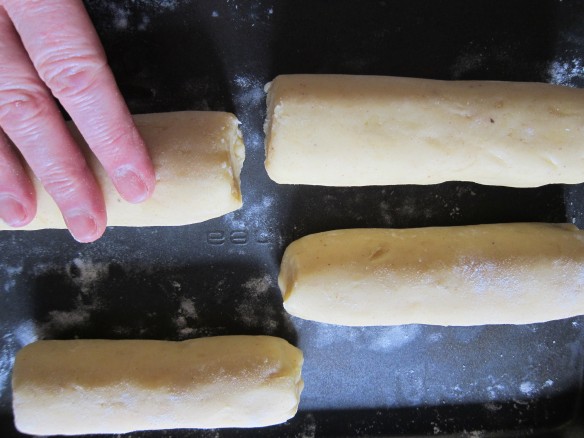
(50, 46)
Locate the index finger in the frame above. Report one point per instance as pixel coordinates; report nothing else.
(65, 49)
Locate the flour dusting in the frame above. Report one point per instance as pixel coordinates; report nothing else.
(25, 333)
(258, 286)
(12, 273)
(566, 72)
(187, 308)
(85, 273)
(7, 350)
(127, 18)
(527, 388)
(249, 97)
(391, 338)
(186, 318)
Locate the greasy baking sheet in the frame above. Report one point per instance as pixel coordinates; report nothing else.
(219, 277)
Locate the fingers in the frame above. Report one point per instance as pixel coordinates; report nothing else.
(29, 116)
(17, 197)
(66, 52)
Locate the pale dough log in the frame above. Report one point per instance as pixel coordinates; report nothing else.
(337, 130)
(462, 276)
(102, 386)
(197, 156)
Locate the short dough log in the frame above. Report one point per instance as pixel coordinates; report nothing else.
(197, 157)
(336, 130)
(100, 386)
(462, 276)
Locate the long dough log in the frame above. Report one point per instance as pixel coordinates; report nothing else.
(469, 275)
(197, 157)
(100, 386)
(337, 130)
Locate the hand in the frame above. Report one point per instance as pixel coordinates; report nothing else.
(50, 46)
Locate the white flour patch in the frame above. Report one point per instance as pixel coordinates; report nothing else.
(377, 339)
(308, 428)
(474, 434)
(7, 350)
(249, 97)
(391, 338)
(65, 319)
(122, 15)
(466, 64)
(566, 72)
(11, 273)
(186, 316)
(25, 333)
(85, 273)
(496, 391)
(527, 388)
(384, 210)
(258, 286)
(246, 314)
(187, 308)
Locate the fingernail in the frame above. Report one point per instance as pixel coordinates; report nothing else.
(130, 185)
(12, 212)
(82, 226)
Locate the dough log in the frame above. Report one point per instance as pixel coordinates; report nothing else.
(463, 276)
(197, 156)
(101, 386)
(337, 130)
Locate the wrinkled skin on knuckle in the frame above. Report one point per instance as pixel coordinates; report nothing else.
(22, 108)
(71, 75)
(63, 181)
(112, 141)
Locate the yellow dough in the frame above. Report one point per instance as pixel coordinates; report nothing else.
(102, 386)
(469, 275)
(337, 130)
(197, 156)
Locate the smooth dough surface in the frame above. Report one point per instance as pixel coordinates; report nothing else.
(467, 275)
(197, 157)
(102, 386)
(340, 130)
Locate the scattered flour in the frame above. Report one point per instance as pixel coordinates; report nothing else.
(187, 308)
(249, 98)
(11, 273)
(527, 388)
(391, 338)
(187, 315)
(474, 434)
(258, 286)
(25, 333)
(308, 428)
(565, 72)
(85, 273)
(384, 210)
(122, 15)
(7, 350)
(467, 63)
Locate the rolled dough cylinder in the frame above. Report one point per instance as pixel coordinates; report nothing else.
(197, 156)
(336, 130)
(463, 276)
(102, 386)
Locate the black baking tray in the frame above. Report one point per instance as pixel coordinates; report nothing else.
(219, 277)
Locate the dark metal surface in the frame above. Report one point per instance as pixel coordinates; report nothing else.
(219, 277)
